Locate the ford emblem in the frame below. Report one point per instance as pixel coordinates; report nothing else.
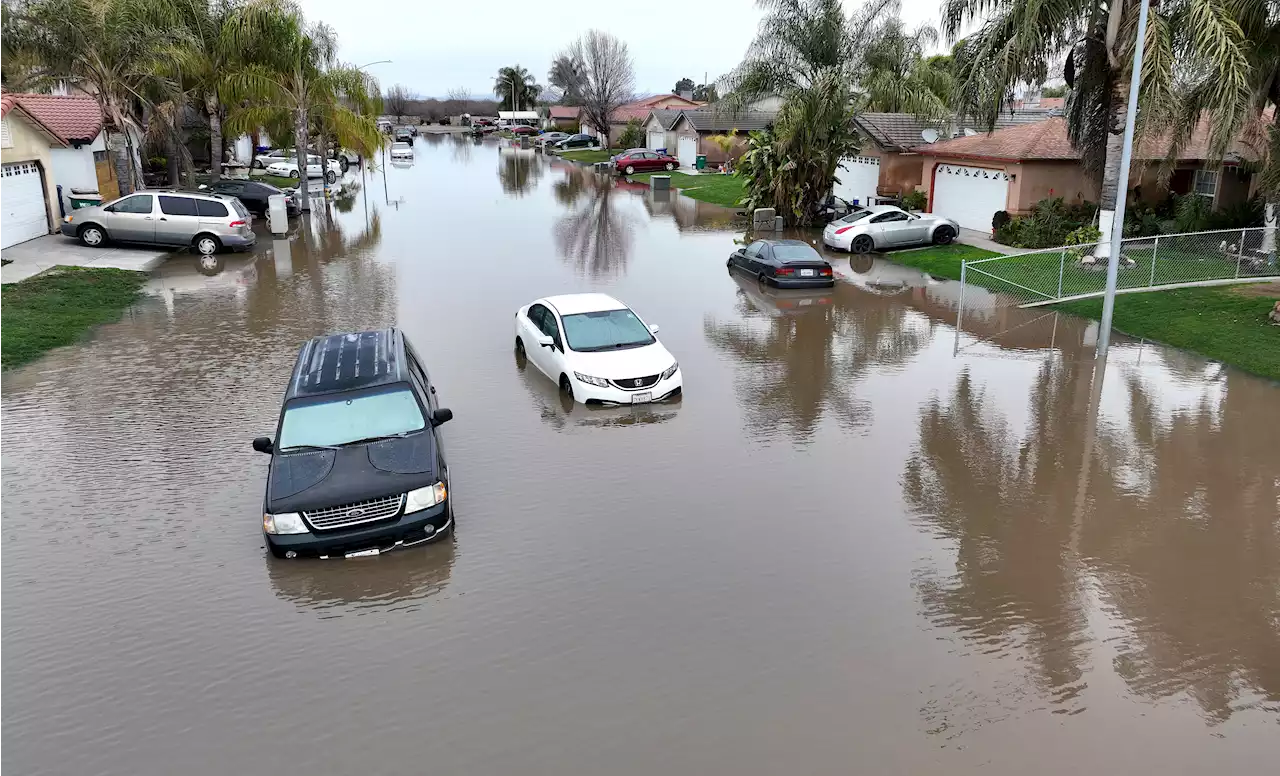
(357, 512)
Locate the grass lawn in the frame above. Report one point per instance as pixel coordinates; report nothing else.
(57, 307)
(590, 156)
(723, 190)
(1215, 322)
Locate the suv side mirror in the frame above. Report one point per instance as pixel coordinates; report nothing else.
(264, 445)
(441, 416)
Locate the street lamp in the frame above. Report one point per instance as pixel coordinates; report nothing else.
(371, 64)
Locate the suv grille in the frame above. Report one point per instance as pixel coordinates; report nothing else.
(355, 513)
(636, 383)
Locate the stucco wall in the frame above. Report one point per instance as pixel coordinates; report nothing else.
(73, 168)
(899, 172)
(1041, 180)
(28, 144)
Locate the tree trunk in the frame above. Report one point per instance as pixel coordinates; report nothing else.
(1115, 184)
(300, 149)
(120, 157)
(212, 107)
(171, 157)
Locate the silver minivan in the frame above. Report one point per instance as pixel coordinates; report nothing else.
(206, 222)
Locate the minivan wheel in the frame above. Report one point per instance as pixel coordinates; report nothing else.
(862, 244)
(566, 387)
(207, 244)
(92, 235)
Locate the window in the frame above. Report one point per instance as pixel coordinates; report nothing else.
(792, 252)
(177, 206)
(138, 203)
(857, 215)
(210, 209)
(1206, 183)
(890, 217)
(548, 325)
(99, 156)
(535, 315)
(754, 248)
(345, 418)
(606, 330)
(229, 187)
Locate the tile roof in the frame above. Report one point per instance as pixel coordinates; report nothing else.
(10, 102)
(70, 118)
(565, 111)
(711, 120)
(903, 130)
(654, 99)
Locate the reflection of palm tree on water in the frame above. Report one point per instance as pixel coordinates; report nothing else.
(518, 172)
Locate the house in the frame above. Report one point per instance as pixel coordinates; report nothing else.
(657, 129)
(890, 164)
(970, 178)
(637, 110)
(563, 117)
(49, 141)
(693, 128)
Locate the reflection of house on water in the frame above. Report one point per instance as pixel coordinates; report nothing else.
(519, 169)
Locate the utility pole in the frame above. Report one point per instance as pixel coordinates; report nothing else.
(1126, 156)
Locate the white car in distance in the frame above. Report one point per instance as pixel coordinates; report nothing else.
(596, 349)
(401, 151)
(288, 168)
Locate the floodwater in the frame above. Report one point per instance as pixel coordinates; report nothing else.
(860, 544)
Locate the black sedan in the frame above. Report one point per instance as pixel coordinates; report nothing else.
(253, 194)
(783, 263)
(578, 141)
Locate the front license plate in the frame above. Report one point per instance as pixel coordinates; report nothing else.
(363, 553)
(642, 398)
(806, 273)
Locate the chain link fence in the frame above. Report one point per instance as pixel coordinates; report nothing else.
(1162, 261)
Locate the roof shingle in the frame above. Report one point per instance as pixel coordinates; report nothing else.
(711, 120)
(71, 118)
(903, 130)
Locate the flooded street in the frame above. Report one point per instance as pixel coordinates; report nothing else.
(860, 544)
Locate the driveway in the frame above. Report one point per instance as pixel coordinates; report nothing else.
(36, 256)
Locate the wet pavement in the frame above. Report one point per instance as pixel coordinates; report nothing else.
(860, 544)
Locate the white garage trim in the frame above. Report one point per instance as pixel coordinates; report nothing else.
(24, 212)
(969, 195)
(657, 139)
(858, 178)
(688, 148)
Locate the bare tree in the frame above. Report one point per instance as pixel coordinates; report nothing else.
(608, 78)
(396, 99)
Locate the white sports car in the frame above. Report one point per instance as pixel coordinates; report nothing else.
(596, 349)
(288, 168)
(878, 227)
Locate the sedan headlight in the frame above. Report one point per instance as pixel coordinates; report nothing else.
(424, 498)
(671, 370)
(598, 381)
(283, 523)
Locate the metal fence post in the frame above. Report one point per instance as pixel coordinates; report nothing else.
(1062, 263)
(964, 265)
(1240, 252)
(1154, 250)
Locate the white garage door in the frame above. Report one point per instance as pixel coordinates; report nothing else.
(969, 195)
(688, 155)
(858, 177)
(657, 141)
(24, 215)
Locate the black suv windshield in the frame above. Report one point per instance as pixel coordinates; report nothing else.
(605, 330)
(340, 419)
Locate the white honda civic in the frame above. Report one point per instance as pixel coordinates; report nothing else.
(596, 349)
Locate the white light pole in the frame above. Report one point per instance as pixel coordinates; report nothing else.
(1126, 156)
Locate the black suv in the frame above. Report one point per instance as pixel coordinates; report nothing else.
(356, 465)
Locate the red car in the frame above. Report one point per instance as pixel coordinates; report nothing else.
(521, 129)
(643, 160)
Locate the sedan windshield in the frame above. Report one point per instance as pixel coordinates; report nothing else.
(326, 421)
(855, 216)
(605, 330)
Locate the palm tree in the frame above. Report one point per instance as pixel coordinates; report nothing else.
(205, 62)
(566, 74)
(120, 51)
(295, 79)
(898, 77)
(516, 87)
(1021, 40)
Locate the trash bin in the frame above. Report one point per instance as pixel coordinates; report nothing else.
(84, 198)
(701, 163)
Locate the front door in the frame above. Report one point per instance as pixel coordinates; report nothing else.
(132, 219)
(178, 221)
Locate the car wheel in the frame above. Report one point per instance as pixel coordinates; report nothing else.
(763, 279)
(257, 164)
(92, 235)
(331, 177)
(943, 235)
(276, 552)
(522, 358)
(630, 169)
(566, 387)
(293, 174)
(207, 244)
(670, 166)
(344, 163)
(862, 244)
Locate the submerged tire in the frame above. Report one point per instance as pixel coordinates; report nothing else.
(566, 387)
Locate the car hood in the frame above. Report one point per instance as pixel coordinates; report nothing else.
(621, 364)
(325, 478)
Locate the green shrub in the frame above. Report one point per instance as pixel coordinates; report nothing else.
(1087, 235)
(632, 136)
(914, 200)
(1046, 226)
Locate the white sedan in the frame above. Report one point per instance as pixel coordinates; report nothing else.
(596, 349)
(288, 168)
(878, 227)
(401, 151)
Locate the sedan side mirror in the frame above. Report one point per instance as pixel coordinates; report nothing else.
(653, 328)
(264, 445)
(441, 416)
(546, 341)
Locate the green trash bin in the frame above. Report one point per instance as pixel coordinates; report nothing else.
(84, 198)
(701, 163)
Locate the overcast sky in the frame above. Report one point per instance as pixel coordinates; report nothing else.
(438, 46)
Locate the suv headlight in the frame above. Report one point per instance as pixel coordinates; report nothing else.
(424, 498)
(600, 381)
(670, 370)
(283, 523)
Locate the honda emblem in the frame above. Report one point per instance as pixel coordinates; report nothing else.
(639, 382)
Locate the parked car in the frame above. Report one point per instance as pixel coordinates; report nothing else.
(271, 156)
(596, 349)
(827, 210)
(356, 463)
(578, 141)
(254, 194)
(643, 160)
(783, 263)
(550, 138)
(524, 129)
(288, 168)
(401, 151)
(879, 227)
(206, 222)
(403, 135)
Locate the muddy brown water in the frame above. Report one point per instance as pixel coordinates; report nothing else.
(859, 544)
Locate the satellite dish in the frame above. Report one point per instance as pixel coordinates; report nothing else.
(930, 135)
(969, 132)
